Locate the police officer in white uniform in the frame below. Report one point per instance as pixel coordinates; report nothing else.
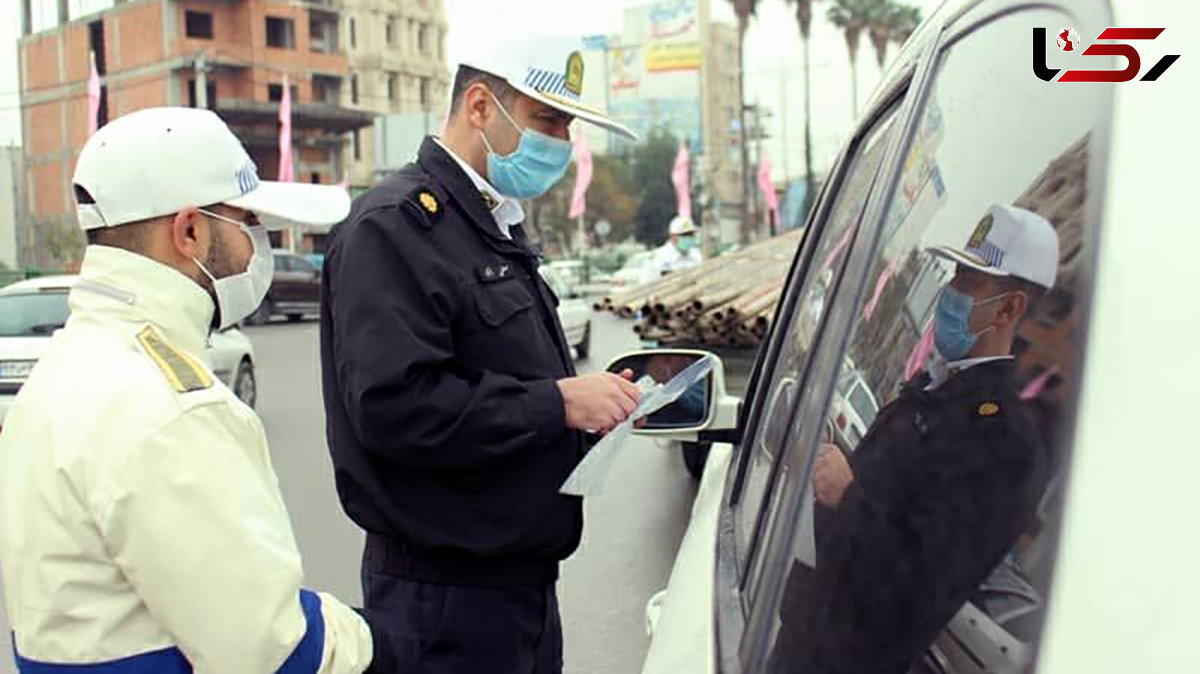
(680, 251)
(142, 528)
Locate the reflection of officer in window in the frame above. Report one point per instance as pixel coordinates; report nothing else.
(943, 484)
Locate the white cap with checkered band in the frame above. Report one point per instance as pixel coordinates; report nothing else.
(1010, 241)
(546, 73)
(158, 161)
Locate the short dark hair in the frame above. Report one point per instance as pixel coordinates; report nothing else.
(1032, 290)
(130, 236)
(467, 76)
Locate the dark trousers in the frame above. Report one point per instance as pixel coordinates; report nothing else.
(470, 630)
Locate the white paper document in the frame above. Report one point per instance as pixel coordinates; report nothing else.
(589, 475)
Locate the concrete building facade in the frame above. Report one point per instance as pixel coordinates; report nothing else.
(673, 68)
(231, 56)
(397, 55)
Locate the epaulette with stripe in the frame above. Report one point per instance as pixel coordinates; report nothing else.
(182, 372)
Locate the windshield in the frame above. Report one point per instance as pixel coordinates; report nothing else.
(32, 314)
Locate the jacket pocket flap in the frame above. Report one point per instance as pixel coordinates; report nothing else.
(499, 302)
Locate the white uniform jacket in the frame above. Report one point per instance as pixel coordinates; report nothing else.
(141, 524)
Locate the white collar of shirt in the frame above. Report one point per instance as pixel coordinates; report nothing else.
(508, 211)
(940, 370)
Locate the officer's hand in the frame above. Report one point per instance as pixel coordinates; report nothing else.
(599, 401)
(831, 475)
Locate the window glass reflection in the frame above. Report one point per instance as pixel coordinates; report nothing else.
(939, 475)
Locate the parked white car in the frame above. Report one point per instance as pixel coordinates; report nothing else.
(31, 311)
(574, 314)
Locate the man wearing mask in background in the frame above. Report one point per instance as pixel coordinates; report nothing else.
(943, 484)
(142, 525)
(680, 251)
(454, 413)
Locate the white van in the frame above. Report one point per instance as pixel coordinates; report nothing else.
(1104, 577)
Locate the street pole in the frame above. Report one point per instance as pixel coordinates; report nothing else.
(746, 182)
(201, 82)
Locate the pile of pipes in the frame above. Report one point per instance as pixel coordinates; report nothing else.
(726, 302)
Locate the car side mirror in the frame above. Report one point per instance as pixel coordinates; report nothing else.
(705, 407)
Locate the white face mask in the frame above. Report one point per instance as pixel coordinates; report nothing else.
(240, 294)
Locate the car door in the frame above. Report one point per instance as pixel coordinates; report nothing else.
(307, 279)
(283, 284)
(987, 131)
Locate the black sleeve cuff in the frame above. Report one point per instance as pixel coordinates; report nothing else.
(545, 411)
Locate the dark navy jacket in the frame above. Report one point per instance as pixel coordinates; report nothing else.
(440, 349)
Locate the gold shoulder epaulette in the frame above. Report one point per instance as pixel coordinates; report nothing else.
(182, 372)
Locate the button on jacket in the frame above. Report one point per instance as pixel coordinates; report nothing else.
(441, 348)
(142, 528)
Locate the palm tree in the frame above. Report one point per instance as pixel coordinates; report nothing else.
(744, 10)
(852, 17)
(804, 18)
(905, 22)
(882, 20)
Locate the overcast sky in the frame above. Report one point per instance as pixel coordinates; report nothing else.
(774, 60)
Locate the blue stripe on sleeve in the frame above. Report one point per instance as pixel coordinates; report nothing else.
(166, 661)
(306, 658)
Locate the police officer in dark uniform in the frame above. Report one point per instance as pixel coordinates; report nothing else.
(454, 411)
(942, 485)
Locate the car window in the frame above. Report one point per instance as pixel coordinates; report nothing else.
(283, 263)
(32, 314)
(302, 265)
(799, 331)
(863, 404)
(932, 550)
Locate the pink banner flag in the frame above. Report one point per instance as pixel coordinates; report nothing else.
(583, 175)
(768, 188)
(679, 176)
(93, 95)
(1034, 388)
(286, 171)
(886, 276)
(920, 353)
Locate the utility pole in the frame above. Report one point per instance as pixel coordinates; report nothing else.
(201, 82)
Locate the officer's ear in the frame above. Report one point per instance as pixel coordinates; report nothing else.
(478, 105)
(188, 234)
(1013, 307)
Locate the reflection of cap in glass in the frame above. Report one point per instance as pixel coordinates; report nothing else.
(681, 225)
(551, 76)
(1010, 241)
(158, 161)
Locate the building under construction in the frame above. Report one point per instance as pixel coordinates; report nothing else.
(231, 56)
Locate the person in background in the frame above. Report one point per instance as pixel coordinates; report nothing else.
(681, 250)
(141, 524)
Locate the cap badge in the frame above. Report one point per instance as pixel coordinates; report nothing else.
(989, 410)
(981, 231)
(429, 202)
(574, 74)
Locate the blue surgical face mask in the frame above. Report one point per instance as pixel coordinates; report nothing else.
(952, 323)
(686, 244)
(529, 172)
